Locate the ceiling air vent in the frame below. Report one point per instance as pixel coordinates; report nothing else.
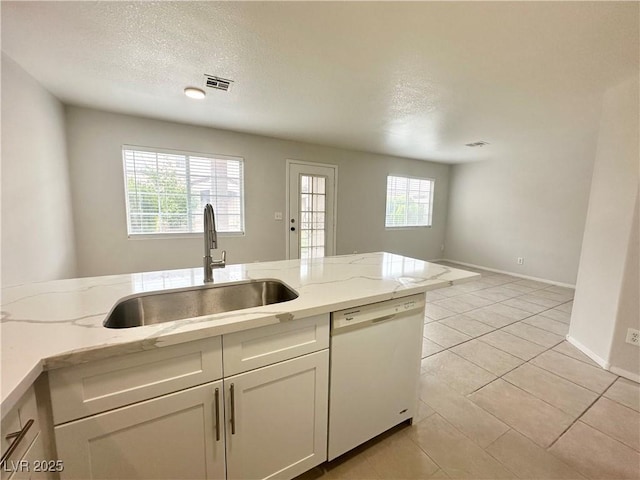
(477, 144)
(217, 82)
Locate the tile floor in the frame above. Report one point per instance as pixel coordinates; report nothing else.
(503, 395)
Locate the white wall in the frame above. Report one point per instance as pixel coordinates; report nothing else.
(529, 199)
(95, 139)
(625, 358)
(604, 307)
(37, 227)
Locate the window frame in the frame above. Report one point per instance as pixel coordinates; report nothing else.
(431, 197)
(186, 153)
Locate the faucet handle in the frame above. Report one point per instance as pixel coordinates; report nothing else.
(220, 263)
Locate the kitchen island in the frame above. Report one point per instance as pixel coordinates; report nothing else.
(53, 324)
(49, 326)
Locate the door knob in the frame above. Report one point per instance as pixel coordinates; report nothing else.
(293, 229)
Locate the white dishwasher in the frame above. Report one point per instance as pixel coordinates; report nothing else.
(375, 369)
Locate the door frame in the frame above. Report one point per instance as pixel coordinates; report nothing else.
(288, 200)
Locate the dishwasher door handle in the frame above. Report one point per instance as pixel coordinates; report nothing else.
(382, 319)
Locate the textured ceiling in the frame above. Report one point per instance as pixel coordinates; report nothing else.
(415, 79)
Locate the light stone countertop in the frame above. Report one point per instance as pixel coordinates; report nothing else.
(54, 324)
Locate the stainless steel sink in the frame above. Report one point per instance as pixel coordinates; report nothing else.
(157, 307)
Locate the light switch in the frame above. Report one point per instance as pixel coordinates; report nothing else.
(277, 216)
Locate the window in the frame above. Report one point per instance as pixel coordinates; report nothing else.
(166, 191)
(409, 202)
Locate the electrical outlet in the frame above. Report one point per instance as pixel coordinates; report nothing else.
(520, 260)
(633, 336)
(277, 216)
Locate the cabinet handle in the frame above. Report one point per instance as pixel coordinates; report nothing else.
(17, 438)
(233, 409)
(217, 402)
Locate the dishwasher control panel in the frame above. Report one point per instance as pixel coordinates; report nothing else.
(375, 312)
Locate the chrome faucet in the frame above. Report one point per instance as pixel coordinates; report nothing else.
(211, 242)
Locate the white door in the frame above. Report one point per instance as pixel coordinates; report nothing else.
(179, 435)
(312, 207)
(276, 420)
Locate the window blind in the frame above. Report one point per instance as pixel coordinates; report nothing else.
(409, 201)
(166, 191)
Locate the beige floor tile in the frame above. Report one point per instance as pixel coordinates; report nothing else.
(565, 307)
(456, 305)
(533, 283)
(625, 392)
(434, 295)
(517, 302)
(593, 378)
(542, 301)
(467, 325)
(563, 394)
(436, 312)
(507, 311)
(397, 456)
(443, 335)
(596, 455)
(475, 300)
(458, 373)
(519, 288)
(532, 417)
(533, 334)
(490, 318)
(560, 316)
(570, 292)
(449, 292)
(570, 351)
(351, 466)
(478, 425)
(615, 420)
(490, 358)
(439, 475)
(528, 460)
(429, 347)
(458, 456)
(498, 278)
(553, 295)
(473, 286)
(424, 411)
(497, 294)
(548, 324)
(516, 346)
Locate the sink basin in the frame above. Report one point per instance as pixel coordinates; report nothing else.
(157, 307)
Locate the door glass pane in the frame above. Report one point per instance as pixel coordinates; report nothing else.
(312, 224)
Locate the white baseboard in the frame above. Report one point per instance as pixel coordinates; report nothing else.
(596, 358)
(635, 377)
(513, 274)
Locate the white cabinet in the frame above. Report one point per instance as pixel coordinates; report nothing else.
(169, 437)
(102, 385)
(21, 439)
(277, 418)
(37, 464)
(154, 414)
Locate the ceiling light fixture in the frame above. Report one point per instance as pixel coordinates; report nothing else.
(193, 92)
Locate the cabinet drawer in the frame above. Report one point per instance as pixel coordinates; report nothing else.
(244, 351)
(25, 410)
(95, 387)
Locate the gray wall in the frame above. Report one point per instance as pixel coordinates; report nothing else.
(37, 228)
(95, 139)
(525, 202)
(606, 304)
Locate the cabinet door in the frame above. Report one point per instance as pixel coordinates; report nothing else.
(276, 418)
(37, 465)
(169, 437)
